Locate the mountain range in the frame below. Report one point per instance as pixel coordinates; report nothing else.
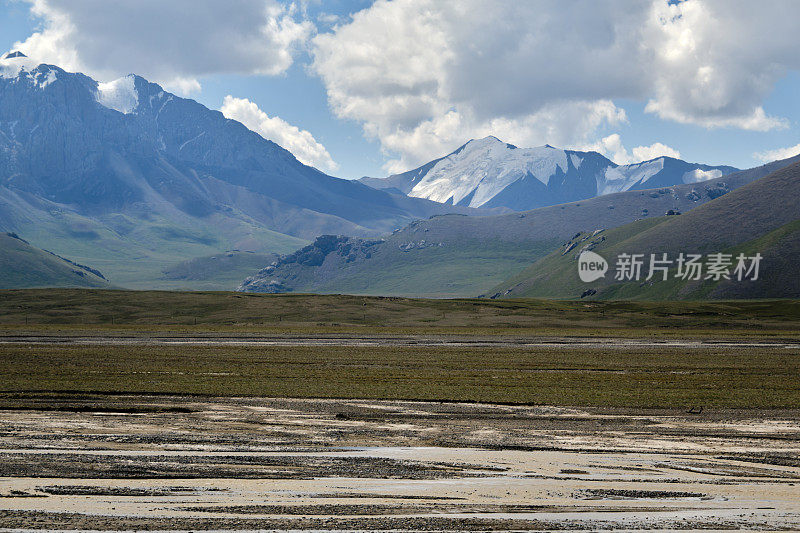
(132, 179)
(491, 173)
(158, 191)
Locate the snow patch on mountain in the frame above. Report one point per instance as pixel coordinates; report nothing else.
(43, 79)
(484, 167)
(622, 178)
(119, 95)
(698, 175)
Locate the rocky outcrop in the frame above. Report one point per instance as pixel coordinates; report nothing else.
(326, 253)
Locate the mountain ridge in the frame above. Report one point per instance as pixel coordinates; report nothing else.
(491, 173)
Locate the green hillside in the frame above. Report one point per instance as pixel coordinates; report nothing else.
(133, 249)
(222, 271)
(762, 217)
(24, 266)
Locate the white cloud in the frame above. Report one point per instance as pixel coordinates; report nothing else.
(645, 153)
(423, 76)
(613, 148)
(714, 61)
(174, 43)
(328, 19)
(558, 123)
(299, 142)
(698, 175)
(182, 86)
(778, 154)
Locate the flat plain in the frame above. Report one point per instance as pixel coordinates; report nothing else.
(185, 411)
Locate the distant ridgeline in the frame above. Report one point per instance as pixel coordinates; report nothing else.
(490, 173)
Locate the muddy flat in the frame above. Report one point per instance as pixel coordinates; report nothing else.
(140, 462)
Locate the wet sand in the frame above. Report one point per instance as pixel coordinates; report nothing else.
(132, 462)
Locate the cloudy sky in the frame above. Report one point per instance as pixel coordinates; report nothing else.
(357, 87)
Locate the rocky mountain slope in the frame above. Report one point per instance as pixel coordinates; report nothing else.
(127, 174)
(456, 255)
(23, 266)
(762, 217)
(490, 173)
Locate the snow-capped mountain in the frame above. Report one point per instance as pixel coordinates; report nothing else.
(491, 173)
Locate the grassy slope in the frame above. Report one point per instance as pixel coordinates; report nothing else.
(456, 269)
(133, 252)
(759, 217)
(23, 266)
(556, 276)
(778, 278)
(220, 271)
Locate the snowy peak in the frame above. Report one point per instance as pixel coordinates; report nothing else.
(480, 144)
(660, 172)
(624, 177)
(488, 172)
(14, 54)
(42, 76)
(482, 168)
(13, 62)
(121, 95)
